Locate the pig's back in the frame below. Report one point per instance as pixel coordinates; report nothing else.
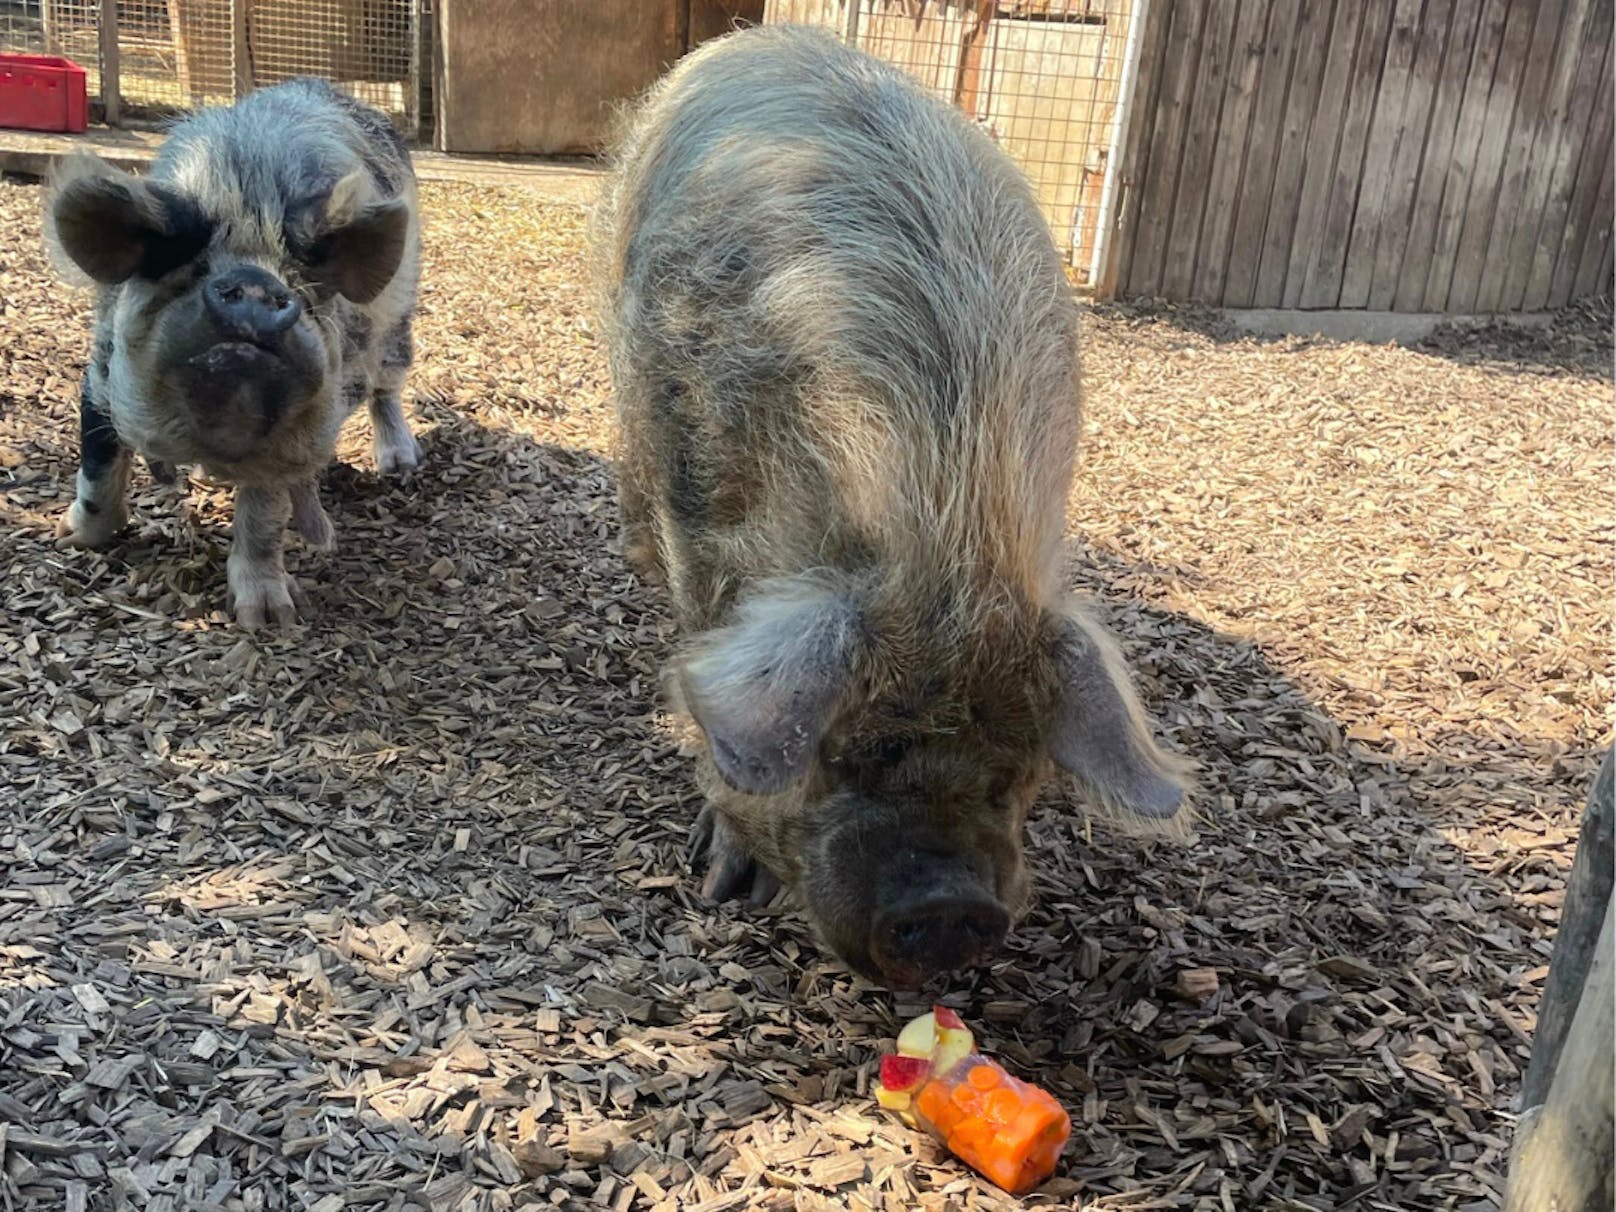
(843, 300)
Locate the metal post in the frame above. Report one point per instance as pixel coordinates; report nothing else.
(111, 84)
(850, 22)
(1106, 222)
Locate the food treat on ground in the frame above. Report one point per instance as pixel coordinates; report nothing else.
(1004, 1128)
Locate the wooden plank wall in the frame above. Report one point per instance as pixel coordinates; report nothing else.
(1398, 155)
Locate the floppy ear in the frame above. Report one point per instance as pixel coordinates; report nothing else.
(765, 688)
(361, 242)
(113, 226)
(1101, 735)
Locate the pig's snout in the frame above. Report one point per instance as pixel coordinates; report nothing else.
(250, 304)
(934, 934)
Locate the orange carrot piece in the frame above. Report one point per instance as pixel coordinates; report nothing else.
(983, 1077)
(931, 1100)
(1003, 1105)
(972, 1133)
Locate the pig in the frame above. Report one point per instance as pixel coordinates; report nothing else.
(843, 352)
(252, 290)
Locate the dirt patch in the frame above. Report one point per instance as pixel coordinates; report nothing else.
(391, 911)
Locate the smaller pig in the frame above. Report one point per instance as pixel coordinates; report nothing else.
(253, 290)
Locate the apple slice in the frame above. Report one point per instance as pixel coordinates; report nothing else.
(894, 1100)
(919, 1036)
(903, 1072)
(954, 1040)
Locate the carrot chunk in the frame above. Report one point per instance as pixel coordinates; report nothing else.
(984, 1077)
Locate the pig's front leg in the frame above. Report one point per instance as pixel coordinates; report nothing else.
(260, 590)
(309, 518)
(396, 449)
(732, 873)
(99, 509)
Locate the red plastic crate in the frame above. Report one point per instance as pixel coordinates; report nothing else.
(43, 92)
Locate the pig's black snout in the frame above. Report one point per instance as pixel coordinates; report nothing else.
(922, 938)
(251, 304)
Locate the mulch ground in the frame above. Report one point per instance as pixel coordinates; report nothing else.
(391, 911)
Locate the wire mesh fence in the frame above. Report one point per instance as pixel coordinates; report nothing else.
(173, 55)
(55, 27)
(1044, 77)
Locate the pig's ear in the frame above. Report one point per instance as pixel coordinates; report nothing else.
(112, 226)
(765, 688)
(362, 241)
(1100, 734)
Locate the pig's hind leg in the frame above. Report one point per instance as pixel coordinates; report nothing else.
(100, 508)
(309, 517)
(395, 447)
(732, 873)
(260, 590)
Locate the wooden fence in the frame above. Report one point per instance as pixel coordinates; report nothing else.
(1406, 155)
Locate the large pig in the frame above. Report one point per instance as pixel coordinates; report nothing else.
(844, 353)
(255, 288)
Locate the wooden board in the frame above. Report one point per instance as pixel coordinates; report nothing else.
(1556, 25)
(1415, 266)
(1322, 285)
(1587, 124)
(1459, 181)
(1593, 268)
(201, 31)
(1169, 122)
(1504, 282)
(1487, 171)
(543, 77)
(714, 18)
(1301, 113)
(1130, 173)
(1323, 147)
(1218, 55)
(1228, 137)
(1257, 179)
(1427, 57)
(1386, 125)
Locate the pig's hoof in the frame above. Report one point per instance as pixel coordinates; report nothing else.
(260, 597)
(79, 527)
(397, 453)
(732, 873)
